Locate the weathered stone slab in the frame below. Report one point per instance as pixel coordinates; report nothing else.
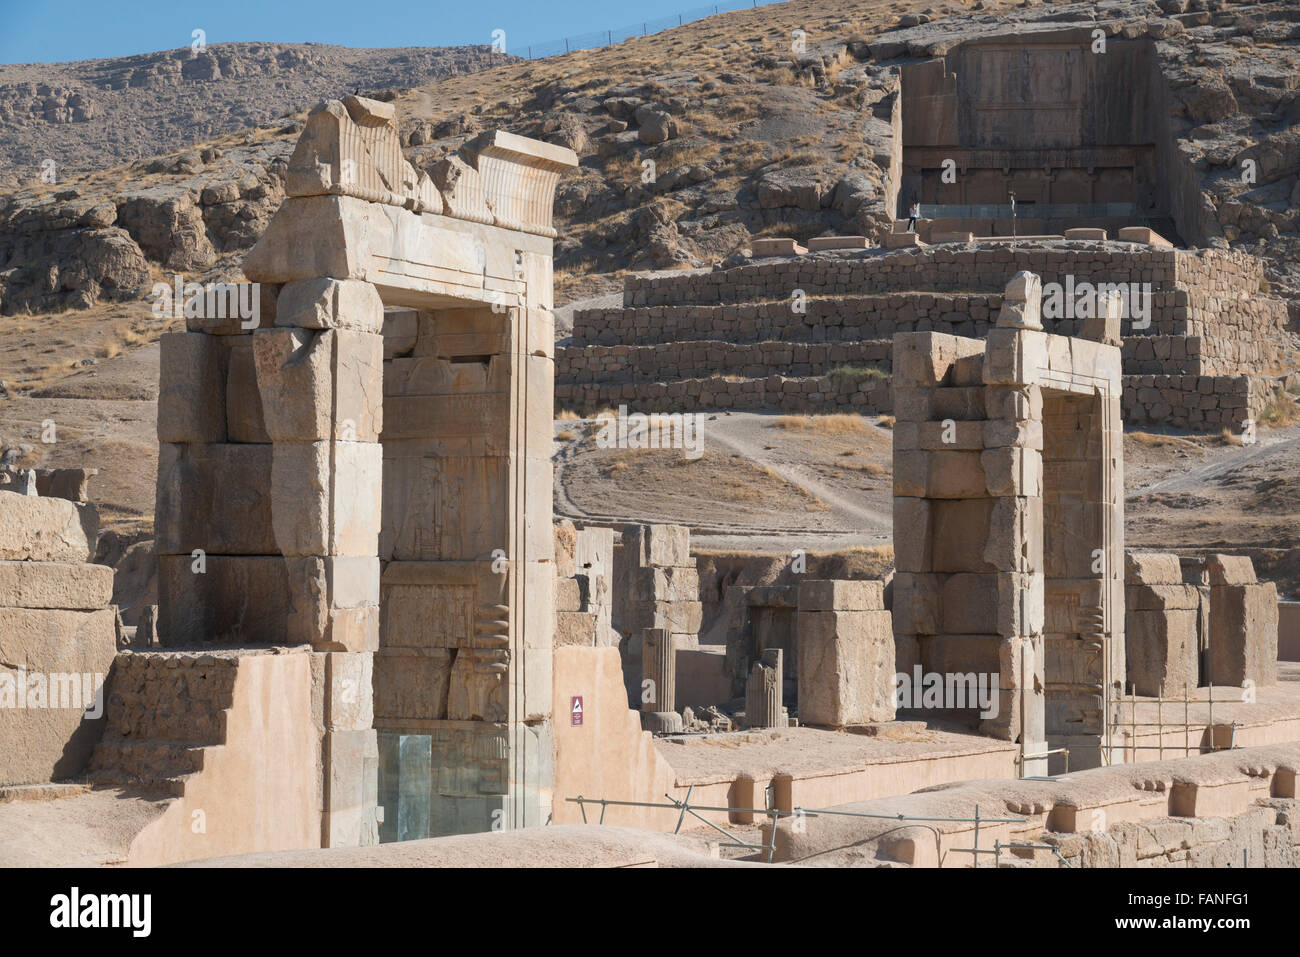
(55, 585)
(62, 657)
(846, 664)
(325, 303)
(841, 595)
(1152, 568)
(323, 385)
(244, 420)
(1163, 652)
(663, 545)
(39, 529)
(214, 497)
(326, 497)
(235, 600)
(191, 388)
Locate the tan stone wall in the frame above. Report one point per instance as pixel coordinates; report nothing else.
(57, 638)
(258, 787)
(608, 755)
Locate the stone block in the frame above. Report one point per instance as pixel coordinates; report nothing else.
(1163, 652)
(349, 700)
(235, 600)
(351, 762)
(39, 529)
(334, 602)
(55, 585)
(1085, 233)
(1151, 568)
(956, 475)
(1014, 356)
(922, 359)
(326, 497)
(662, 545)
(913, 537)
(244, 421)
(214, 497)
(902, 240)
(970, 603)
(1230, 570)
(1243, 634)
(841, 595)
(1012, 471)
(63, 657)
(960, 528)
(760, 248)
(324, 303)
(1162, 597)
(191, 388)
(1142, 234)
(846, 664)
(1015, 534)
(320, 385)
(838, 242)
(916, 604)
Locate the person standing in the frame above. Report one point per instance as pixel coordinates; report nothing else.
(912, 214)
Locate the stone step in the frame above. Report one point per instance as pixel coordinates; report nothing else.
(153, 765)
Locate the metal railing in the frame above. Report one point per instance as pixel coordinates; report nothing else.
(775, 814)
(1160, 724)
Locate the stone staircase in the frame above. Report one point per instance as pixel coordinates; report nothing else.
(165, 709)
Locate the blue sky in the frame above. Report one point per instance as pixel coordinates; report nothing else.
(42, 31)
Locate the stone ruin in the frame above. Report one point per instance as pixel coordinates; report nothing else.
(1008, 476)
(371, 629)
(377, 486)
(1198, 621)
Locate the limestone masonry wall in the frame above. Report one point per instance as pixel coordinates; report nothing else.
(734, 339)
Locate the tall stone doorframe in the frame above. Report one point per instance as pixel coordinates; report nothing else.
(1008, 523)
(384, 494)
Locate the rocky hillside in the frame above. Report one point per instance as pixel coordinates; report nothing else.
(95, 114)
(695, 140)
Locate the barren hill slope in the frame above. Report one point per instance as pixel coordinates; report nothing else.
(93, 114)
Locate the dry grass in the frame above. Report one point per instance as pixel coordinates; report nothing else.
(835, 424)
(885, 422)
(1282, 411)
(859, 373)
(566, 436)
(1154, 440)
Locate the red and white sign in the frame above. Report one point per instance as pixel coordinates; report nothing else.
(575, 710)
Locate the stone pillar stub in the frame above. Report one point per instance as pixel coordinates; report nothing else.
(763, 692)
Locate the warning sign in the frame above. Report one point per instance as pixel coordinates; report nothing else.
(575, 710)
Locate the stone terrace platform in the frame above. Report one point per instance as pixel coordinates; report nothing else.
(732, 339)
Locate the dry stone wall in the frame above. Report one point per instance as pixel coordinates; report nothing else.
(736, 339)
